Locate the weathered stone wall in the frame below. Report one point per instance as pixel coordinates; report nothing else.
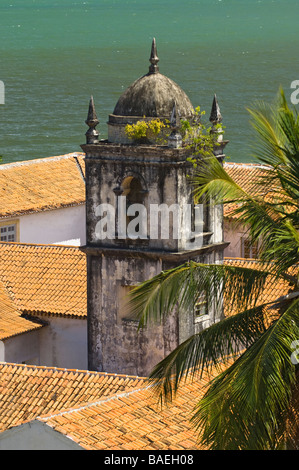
(115, 343)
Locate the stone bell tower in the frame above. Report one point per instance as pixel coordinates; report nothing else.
(133, 191)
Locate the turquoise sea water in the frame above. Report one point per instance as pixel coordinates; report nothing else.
(55, 53)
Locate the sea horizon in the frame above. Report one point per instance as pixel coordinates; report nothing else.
(56, 54)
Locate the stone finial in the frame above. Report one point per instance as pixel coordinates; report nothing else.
(175, 139)
(175, 121)
(215, 119)
(215, 116)
(92, 121)
(154, 59)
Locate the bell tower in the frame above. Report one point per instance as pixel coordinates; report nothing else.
(140, 220)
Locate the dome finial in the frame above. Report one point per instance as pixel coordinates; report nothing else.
(175, 121)
(216, 119)
(154, 59)
(215, 116)
(92, 122)
(175, 138)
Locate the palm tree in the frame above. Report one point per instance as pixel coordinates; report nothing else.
(253, 402)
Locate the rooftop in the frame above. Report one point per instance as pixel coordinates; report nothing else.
(30, 391)
(272, 290)
(134, 421)
(42, 184)
(44, 279)
(246, 175)
(12, 322)
(101, 411)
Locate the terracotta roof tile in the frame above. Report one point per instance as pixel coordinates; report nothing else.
(272, 290)
(30, 391)
(11, 321)
(134, 420)
(42, 184)
(44, 278)
(245, 175)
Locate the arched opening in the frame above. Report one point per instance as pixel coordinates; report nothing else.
(133, 190)
(132, 212)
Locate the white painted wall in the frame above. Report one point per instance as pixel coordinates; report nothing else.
(2, 351)
(35, 435)
(60, 226)
(22, 348)
(63, 343)
(67, 227)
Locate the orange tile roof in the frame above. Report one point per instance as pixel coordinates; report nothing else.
(11, 321)
(104, 411)
(44, 278)
(30, 391)
(135, 420)
(42, 184)
(245, 175)
(272, 290)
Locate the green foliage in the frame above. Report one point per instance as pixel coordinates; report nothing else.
(252, 404)
(197, 137)
(145, 130)
(200, 139)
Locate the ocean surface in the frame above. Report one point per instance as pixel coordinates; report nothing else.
(54, 54)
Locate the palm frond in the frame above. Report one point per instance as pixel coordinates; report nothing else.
(207, 349)
(277, 235)
(248, 405)
(181, 287)
(272, 215)
(211, 179)
(265, 121)
(245, 405)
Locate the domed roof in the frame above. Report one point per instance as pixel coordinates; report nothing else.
(153, 95)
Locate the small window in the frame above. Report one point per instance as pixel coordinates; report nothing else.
(201, 308)
(248, 250)
(8, 233)
(125, 314)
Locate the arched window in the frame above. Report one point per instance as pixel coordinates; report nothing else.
(133, 190)
(132, 211)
